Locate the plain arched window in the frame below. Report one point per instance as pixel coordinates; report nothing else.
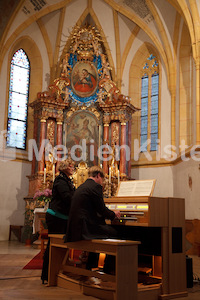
(18, 100)
(149, 105)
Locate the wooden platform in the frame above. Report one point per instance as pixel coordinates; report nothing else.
(122, 285)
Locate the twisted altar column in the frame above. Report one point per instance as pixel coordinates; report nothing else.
(105, 139)
(123, 142)
(42, 137)
(59, 141)
(33, 168)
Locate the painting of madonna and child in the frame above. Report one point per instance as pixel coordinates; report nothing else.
(82, 138)
(84, 79)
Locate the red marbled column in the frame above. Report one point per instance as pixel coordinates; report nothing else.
(42, 137)
(105, 139)
(35, 138)
(122, 166)
(59, 140)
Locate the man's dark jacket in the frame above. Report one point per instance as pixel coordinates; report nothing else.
(88, 213)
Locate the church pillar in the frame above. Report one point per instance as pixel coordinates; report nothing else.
(42, 137)
(122, 166)
(105, 140)
(59, 141)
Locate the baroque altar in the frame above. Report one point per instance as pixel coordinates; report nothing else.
(84, 115)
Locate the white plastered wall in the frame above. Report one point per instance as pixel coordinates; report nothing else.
(163, 176)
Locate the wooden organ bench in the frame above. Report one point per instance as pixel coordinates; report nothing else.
(124, 281)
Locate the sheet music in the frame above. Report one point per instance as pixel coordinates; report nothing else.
(136, 188)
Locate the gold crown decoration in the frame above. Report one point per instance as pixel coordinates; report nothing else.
(86, 42)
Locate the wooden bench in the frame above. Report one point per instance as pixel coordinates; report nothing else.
(126, 277)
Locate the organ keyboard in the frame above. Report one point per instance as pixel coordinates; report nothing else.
(140, 211)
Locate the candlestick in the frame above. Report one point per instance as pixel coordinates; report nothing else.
(53, 172)
(118, 176)
(45, 174)
(109, 174)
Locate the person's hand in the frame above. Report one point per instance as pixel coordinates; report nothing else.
(117, 214)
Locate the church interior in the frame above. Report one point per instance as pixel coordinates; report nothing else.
(113, 83)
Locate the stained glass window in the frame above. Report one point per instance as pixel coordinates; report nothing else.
(144, 111)
(18, 100)
(149, 103)
(154, 111)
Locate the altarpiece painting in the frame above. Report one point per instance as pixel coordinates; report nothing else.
(82, 129)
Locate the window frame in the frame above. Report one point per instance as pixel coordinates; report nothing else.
(150, 69)
(26, 104)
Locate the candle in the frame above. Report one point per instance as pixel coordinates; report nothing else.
(45, 174)
(118, 176)
(110, 175)
(53, 172)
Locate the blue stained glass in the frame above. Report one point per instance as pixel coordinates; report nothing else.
(154, 105)
(154, 123)
(154, 111)
(144, 107)
(145, 86)
(145, 117)
(151, 57)
(144, 125)
(143, 140)
(18, 100)
(19, 80)
(144, 110)
(16, 137)
(154, 138)
(20, 59)
(17, 106)
(154, 84)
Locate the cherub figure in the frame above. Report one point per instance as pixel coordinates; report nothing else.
(66, 97)
(105, 66)
(101, 95)
(95, 47)
(66, 68)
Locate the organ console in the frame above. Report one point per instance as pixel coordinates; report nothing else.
(159, 223)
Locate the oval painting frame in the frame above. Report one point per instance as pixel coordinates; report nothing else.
(84, 79)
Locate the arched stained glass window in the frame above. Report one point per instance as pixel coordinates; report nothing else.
(149, 104)
(18, 100)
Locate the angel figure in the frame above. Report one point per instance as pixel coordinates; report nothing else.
(105, 66)
(95, 47)
(66, 68)
(66, 97)
(101, 95)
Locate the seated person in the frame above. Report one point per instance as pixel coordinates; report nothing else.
(88, 213)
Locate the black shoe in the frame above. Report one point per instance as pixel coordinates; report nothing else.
(45, 281)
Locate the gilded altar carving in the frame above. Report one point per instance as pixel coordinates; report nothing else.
(83, 89)
(80, 175)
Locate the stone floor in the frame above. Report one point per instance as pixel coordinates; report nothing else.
(16, 283)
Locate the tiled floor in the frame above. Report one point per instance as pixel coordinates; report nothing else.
(16, 283)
